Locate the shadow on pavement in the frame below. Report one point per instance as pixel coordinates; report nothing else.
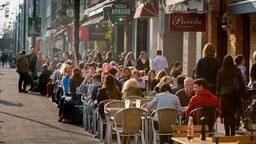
(10, 103)
(42, 123)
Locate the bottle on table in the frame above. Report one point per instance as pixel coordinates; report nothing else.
(190, 129)
(138, 102)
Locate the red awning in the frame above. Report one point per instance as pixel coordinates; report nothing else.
(147, 10)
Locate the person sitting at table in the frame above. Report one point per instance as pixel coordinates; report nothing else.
(109, 90)
(69, 110)
(179, 84)
(203, 97)
(186, 93)
(164, 100)
(130, 89)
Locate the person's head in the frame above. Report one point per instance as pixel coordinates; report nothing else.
(109, 82)
(126, 72)
(178, 65)
(32, 50)
(104, 75)
(151, 75)
(58, 66)
(123, 55)
(112, 71)
(129, 84)
(228, 63)
(159, 52)
(76, 72)
(92, 68)
(209, 50)
(96, 78)
(180, 80)
(50, 67)
(45, 66)
(239, 60)
(200, 84)
(23, 53)
(165, 88)
(39, 54)
(135, 74)
(130, 56)
(189, 84)
(166, 79)
(161, 74)
(81, 65)
(68, 70)
(109, 55)
(143, 54)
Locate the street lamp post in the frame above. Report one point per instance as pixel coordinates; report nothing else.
(76, 29)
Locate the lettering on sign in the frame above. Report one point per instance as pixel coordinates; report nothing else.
(187, 22)
(120, 13)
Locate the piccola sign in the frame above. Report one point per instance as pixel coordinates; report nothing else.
(120, 13)
(188, 22)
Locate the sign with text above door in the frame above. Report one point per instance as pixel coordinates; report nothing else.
(195, 22)
(120, 13)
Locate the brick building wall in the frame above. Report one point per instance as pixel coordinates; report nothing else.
(235, 38)
(252, 37)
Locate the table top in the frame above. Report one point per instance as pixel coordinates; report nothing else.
(197, 140)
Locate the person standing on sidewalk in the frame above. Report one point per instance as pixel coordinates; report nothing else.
(230, 87)
(22, 69)
(32, 58)
(159, 62)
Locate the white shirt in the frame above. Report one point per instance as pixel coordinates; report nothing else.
(159, 63)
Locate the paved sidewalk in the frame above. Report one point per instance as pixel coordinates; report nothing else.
(33, 119)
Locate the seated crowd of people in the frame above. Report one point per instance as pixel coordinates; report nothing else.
(97, 79)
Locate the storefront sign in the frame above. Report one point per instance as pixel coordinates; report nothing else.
(188, 22)
(120, 13)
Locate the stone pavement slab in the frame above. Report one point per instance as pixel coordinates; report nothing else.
(32, 119)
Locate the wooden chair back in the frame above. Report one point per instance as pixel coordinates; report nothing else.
(245, 138)
(166, 117)
(181, 130)
(131, 119)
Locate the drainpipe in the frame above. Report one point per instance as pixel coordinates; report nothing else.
(160, 26)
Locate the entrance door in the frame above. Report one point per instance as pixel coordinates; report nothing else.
(221, 42)
(246, 41)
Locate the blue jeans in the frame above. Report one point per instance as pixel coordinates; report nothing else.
(69, 107)
(61, 102)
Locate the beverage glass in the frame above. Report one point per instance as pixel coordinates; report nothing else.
(127, 103)
(138, 103)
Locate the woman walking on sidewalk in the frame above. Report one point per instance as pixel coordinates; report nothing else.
(22, 69)
(230, 86)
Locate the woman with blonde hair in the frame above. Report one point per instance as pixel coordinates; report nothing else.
(129, 60)
(130, 88)
(208, 66)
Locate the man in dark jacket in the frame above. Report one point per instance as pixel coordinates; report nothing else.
(22, 69)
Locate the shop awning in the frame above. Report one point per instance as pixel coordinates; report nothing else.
(172, 2)
(242, 7)
(59, 32)
(147, 10)
(93, 21)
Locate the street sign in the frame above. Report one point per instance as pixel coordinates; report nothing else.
(120, 13)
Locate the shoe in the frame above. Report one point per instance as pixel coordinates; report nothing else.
(31, 89)
(61, 118)
(24, 91)
(239, 131)
(66, 121)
